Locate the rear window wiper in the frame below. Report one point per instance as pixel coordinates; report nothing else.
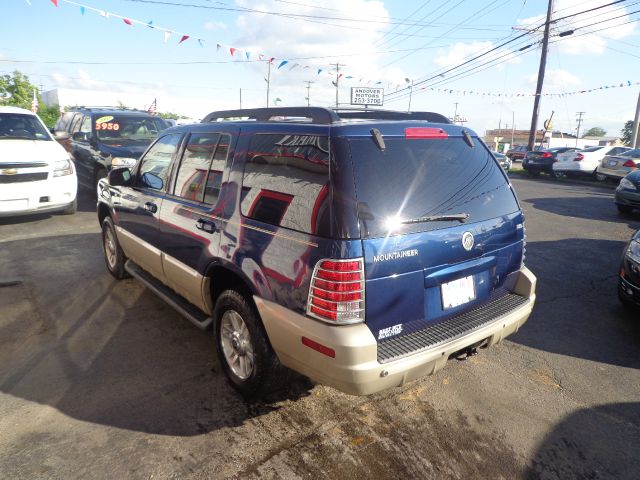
(460, 217)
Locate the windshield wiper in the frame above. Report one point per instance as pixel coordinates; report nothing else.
(460, 217)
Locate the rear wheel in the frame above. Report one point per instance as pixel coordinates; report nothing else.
(113, 255)
(243, 348)
(624, 208)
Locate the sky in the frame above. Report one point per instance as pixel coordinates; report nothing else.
(475, 59)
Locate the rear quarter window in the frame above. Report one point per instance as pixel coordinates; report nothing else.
(417, 178)
(286, 182)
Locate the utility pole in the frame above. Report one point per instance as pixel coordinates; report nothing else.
(268, 79)
(634, 130)
(337, 65)
(308, 87)
(513, 126)
(543, 64)
(455, 114)
(579, 120)
(410, 93)
(240, 98)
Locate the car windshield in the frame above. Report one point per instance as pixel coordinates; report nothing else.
(426, 178)
(22, 127)
(113, 128)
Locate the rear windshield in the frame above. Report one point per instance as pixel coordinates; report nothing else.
(125, 127)
(591, 149)
(418, 178)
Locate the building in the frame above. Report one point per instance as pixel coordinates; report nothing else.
(503, 139)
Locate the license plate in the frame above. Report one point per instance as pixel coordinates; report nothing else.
(13, 205)
(458, 292)
(613, 163)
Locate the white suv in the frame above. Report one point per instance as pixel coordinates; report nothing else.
(36, 173)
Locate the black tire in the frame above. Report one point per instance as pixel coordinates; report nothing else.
(71, 208)
(624, 209)
(256, 370)
(113, 255)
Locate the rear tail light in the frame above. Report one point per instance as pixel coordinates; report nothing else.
(424, 132)
(336, 293)
(629, 163)
(547, 155)
(579, 157)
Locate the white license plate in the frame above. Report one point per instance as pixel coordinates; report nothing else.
(613, 163)
(458, 292)
(13, 205)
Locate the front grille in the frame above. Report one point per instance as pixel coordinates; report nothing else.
(24, 177)
(22, 165)
(398, 347)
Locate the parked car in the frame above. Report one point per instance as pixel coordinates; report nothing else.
(106, 137)
(584, 162)
(628, 193)
(517, 152)
(542, 161)
(36, 173)
(615, 167)
(362, 249)
(629, 273)
(503, 160)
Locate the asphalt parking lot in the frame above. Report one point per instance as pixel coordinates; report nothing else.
(101, 379)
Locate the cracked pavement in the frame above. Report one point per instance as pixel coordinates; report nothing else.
(101, 379)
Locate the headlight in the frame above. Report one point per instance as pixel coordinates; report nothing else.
(633, 251)
(62, 168)
(123, 162)
(628, 184)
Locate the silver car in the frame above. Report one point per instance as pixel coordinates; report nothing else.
(616, 167)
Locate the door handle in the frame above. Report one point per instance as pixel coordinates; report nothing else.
(151, 207)
(205, 225)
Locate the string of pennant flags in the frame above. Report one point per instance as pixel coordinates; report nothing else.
(239, 54)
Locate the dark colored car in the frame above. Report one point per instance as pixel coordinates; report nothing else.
(361, 249)
(517, 152)
(102, 138)
(629, 277)
(628, 192)
(503, 160)
(541, 161)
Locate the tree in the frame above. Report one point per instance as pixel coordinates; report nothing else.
(626, 132)
(595, 132)
(16, 90)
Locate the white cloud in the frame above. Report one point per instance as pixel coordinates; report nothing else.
(460, 52)
(559, 79)
(591, 29)
(215, 26)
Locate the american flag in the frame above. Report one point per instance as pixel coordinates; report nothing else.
(34, 102)
(153, 107)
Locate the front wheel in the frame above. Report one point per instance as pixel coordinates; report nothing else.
(243, 348)
(113, 255)
(624, 209)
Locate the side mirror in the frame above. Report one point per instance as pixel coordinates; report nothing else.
(120, 177)
(80, 136)
(61, 135)
(152, 181)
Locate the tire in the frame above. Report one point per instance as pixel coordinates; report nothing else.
(624, 209)
(71, 208)
(113, 255)
(245, 353)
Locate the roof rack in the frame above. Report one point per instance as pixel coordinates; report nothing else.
(106, 107)
(320, 115)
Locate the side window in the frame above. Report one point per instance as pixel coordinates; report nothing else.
(154, 166)
(616, 151)
(194, 167)
(286, 182)
(214, 180)
(75, 123)
(85, 126)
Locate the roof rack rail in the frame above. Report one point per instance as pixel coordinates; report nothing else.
(375, 114)
(107, 107)
(315, 114)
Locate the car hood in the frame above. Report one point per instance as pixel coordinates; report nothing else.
(129, 149)
(29, 151)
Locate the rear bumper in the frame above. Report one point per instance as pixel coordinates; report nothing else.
(355, 368)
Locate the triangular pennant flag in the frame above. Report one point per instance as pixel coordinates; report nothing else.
(184, 37)
(166, 36)
(319, 70)
(340, 76)
(104, 13)
(127, 21)
(248, 55)
(294, 66)
(81, 10)
(218, 47)
(232, 51)
(261, 56)
(55, 2)
(282, 64)
(201, 42)
(272, 59)
(150, 24)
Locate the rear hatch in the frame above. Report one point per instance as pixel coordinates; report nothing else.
(422, 268)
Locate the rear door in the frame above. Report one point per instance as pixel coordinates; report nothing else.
(422, 268)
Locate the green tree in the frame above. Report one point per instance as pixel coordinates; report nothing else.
(626, 132)
(49, 114)
(174, 116)
(595, 132)
(17, 90)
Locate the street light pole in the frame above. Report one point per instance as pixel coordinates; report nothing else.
(455, 113)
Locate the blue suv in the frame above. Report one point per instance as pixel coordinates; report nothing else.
(361, 249)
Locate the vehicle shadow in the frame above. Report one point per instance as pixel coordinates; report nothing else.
(111, 352)
(577, 312)
(592, 207)
(594, 443)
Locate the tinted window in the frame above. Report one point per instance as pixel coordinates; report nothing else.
(617, 150)
(64, 121)
(127, 127)
(591, 149)
(154, 167)
(286, 182)
(21, 126)
(75, 123)
(416, 178)
(200, 173)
